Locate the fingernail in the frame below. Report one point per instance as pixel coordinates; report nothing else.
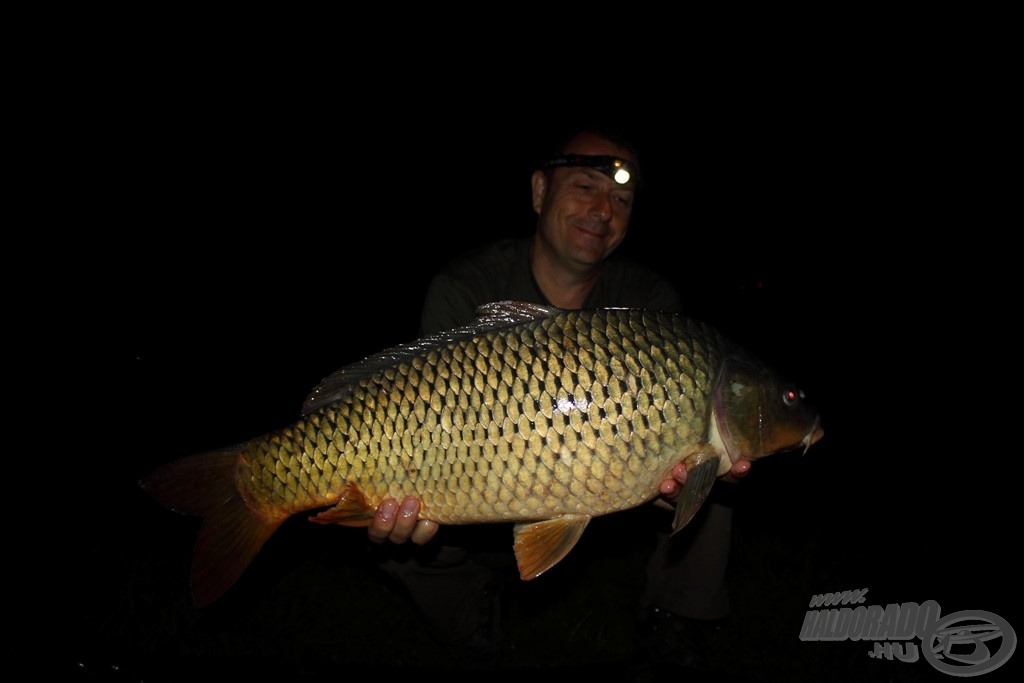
(410, 506)
(386, 510)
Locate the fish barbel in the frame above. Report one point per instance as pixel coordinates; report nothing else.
(533, 415)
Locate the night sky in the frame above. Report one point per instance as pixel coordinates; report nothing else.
(263, 246)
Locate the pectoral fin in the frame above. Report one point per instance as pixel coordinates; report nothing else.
(540, 546)
(699, 481)
(352, 509)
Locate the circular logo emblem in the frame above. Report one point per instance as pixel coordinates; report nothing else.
(969, 643)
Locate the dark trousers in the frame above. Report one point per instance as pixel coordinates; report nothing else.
(452, 587)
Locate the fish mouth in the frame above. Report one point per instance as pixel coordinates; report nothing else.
(813, 436)
(721, 437)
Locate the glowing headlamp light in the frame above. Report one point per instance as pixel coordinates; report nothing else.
(619, 170)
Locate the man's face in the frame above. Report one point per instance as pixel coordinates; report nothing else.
(583, 214)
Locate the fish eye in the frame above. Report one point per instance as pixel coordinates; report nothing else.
(791, 396)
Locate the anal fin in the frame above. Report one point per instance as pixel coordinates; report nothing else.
(539, 546)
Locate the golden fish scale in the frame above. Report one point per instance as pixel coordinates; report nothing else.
(582, 412)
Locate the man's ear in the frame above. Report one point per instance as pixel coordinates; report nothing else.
(539, 182)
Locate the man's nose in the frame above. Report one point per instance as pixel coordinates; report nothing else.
(602, 206)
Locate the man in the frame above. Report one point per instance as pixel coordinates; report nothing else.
(583, 197)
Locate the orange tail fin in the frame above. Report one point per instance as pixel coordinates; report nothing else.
(231, 533)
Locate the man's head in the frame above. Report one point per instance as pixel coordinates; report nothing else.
(583, 209)
(622, 168)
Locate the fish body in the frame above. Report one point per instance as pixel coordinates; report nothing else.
(533, 415)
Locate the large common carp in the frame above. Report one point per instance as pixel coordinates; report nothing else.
(533, 415)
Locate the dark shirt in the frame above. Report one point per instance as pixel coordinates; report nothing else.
(501, 271)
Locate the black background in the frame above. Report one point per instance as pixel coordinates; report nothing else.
(248, 230)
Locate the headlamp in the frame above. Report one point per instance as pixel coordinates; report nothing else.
(619, 170)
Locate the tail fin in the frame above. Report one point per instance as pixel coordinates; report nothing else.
(231, 532)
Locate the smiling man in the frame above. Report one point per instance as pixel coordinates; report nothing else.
(583, 196)
(583, 214)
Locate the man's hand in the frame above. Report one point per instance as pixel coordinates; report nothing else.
(672, 486)
(399, 523)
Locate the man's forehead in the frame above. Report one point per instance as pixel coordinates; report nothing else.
(599, 175)
(623, 172)
(594, 145)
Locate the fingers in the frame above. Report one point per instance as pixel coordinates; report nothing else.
(423, 531)
(672, 485)
(383, 521)
(739, 469)
(400, 523)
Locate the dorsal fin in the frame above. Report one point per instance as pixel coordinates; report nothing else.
(489, 317)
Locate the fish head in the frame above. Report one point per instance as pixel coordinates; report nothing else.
(758, 412)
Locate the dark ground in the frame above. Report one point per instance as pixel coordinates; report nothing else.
(860, 262)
